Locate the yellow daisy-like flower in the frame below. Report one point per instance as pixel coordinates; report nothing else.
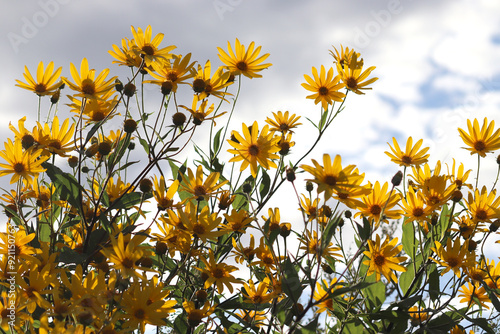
(22, 249)
(383, 258)
(312, 244)
(244, 62)
(378, 206)
(259, 294)
(200, 189)
(95, 110)
(412, 156)
(254, 148)
(26, 164)
(325, 87)
(454, 257)
(169, 74)
(460, 176)
(57, 140)
(242, 253)
(352, 77)
(283, 122)
(322, 293)
(483, 206)
(202, 225)
(195, 315)
(481, 141)
(200, 114)
(414, 207)
(237, 221)
(40, 283)
(344, 56)
(474, 294)
(148, 48)
(164, 197)
(45, 83)
(218, 273)
(330, 176)
(417, 315)
(350, 194)
(205, 86)
(86, 83)
(26, 137)
(125, 56)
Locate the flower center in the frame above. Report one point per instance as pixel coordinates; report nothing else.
(19, 167)
(479, 146)
(453, 262)
(199, 85)
(330, 180)
(27, 141)
(88, 87)
(40, 88)
(379, 260)
(127, 263)
(148, 49)
(172, 76)
(242, 66)
(208, 88)
(418, 212)
(323, 91)
(375, 209)
(257, 299)
(481, 214)
(198, 229)
(139, 314)
(200, 191)
(218, 273)
(351, 83)
(56, 144)
(97, 116)
(406, 159)
(253, 150)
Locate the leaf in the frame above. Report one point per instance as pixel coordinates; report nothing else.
(119, 150)
(310, 328)
(217, 140)
(329, 231)
(291, 281)
(434, 291)
(409, 240)
(364, 231)
(180, 324)
(406, 279)
(92, 131)
(265, 184)
(70, 256)
(127, 201)
(375, 294)
(71, 190)
(354, 326)
(144, 144)
(492, 296)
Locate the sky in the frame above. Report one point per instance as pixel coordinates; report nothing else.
(437, 63)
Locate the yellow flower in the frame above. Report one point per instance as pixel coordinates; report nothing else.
(274, 219)
(460, 176)
(259, 294)
(331, 176)
(244, 62)
(383, 258)
(285, 144)
(125, 56)
(417, 315)
(22, 164)
(454, 257)
(95, 110)
(174, 237)
(45, 83)
(474, 294)
(352, 77)
(345, 56)
(202, 225)
(170, 74)
(312, 244)
(254, 148)
(164, 197)
(325, 87)
(200, 189)
(194, 315)
(414, 207)
(483, 206)
(412, 156)
(283, 122)
(87, 84)
(254, 318)
(237, 221)
(322, 293)
(57, 140)
(205, 86)
(378, 206)
(22, 249)
(149, 48)
(481, 141)
(200, 115)
(266, 256)
(241, 253)
(26, 137)
(40, 281)
(218, 273)
(309, 207)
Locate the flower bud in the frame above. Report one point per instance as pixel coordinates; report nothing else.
(129, 89)
(178, 119)
(290, 174)
(55, 97)
(201, 295)
(348, 214)
(309, 186)
(118, 85)
(91, 151)
(145, 185)
(129, 126)
(73, 161)
(104, 148)
(456, 196)
(397, 178)
(247, 188)
(285, 229)
(495, 225)
(472, 245)
(131, 146)
(166, 87)
(161, 248)
(85, 169)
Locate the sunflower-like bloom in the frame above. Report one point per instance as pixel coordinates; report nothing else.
(467, 227)
(414, 207)
(378, 206)
(195, 315)
(434, 186)
(312, 244)
(412, 156)
(322, 295)
(254, 318)
(86, 83)
(266, 256)
(352, 76)
(26, 137)
(493, 274)
(218, 273)
(26, 164)
(459, 176)
(170, 74)
(237, 221)
(241, 253)
(96, 110)
(481, 141)
(173, 236)
(273, 221)
(309, 207)
(474, 294)
(45, 83)
(259, 294)
(254, 148)
(164, 197)
(383, 259)
(125, 56)
(149, 48)
(325, 87)
(22, 249)
(114, 190)
(483, 206)
(244, 62)
(200, 189)
(331, 176)
(205, 86)
(141, 306)
(417, 315)
(283, 123)
(40, 283)
(200, 114)
(454, 257)
(57, 140)
(202, 225)
(345, 56)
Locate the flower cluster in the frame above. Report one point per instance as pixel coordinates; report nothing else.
(109, 232)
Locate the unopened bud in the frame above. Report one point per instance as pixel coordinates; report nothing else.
(146, 185)
(73, 161)
(397, 178)
(290, 174)
(178, 119)
(309, 186)
(247, 188)
(129, 126)
(118, 85)
(129, 89)
(456, 196)
(104, 148)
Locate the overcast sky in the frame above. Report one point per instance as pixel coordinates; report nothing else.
(437, 61)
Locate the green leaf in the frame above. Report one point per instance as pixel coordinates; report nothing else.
(127, 201)
(329, 231)
(291, 281)
(119, 150)
(71, 190)
(492, 294)
(180, 324)
(310, 328)
(265, 184)
(364, 231)
(354, 326)
(409, 240)
(70, 256)
(144, 144)
(406, 278)
(375, 294)
(92, 131)
(217, 140)
(434, 291)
